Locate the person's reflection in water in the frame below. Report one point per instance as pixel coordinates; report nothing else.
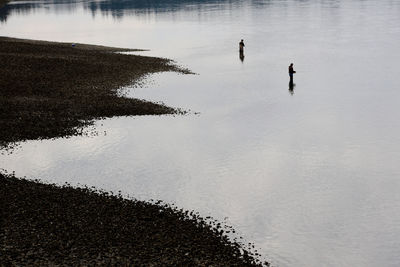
(241, 56)
(291, 88)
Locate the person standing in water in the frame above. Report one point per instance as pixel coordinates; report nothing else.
(241, 50)
(291, 72)
(241, 46)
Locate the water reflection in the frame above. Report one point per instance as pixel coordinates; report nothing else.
(291, 88)
(121, 8)
(18, 8)
(118, 8)
(241, 56)
(312, 179)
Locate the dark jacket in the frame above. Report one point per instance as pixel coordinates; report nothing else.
(291, 71)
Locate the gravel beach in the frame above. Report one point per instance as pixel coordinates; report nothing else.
(55, 89)
(46, 225)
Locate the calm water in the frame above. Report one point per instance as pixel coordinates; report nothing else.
(311, 176)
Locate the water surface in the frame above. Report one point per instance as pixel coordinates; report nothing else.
(310, 175)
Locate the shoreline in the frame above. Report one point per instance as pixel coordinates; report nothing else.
(45, 224)
(50, 90)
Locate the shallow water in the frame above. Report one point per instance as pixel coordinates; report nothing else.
(310, 176)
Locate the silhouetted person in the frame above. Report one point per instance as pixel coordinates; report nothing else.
(291, 72)
(241, 46)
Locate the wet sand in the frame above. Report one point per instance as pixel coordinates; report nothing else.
(53, 90)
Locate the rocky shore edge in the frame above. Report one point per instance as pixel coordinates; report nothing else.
(44, 224)
(50, 89)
